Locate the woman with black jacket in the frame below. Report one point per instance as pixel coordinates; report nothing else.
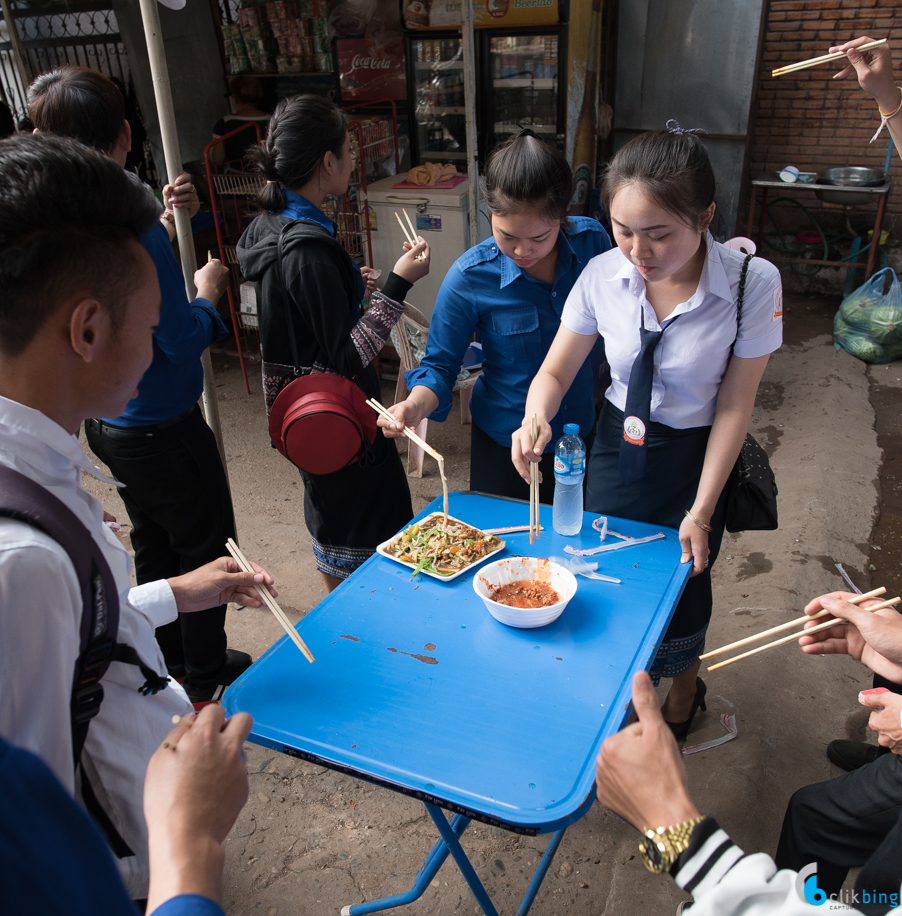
(305, 157)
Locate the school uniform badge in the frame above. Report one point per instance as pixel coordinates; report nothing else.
(634, 431)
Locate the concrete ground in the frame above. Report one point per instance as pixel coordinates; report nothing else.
(312, 841)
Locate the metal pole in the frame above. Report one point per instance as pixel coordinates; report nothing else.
(466, 32)
(19, 54)
(169, 135)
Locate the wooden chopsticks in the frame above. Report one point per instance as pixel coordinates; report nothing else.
(407, 235)
(793, 623)
(268, 600)
(823, 59)
(411, 236)
(788, 625)
(534, 520)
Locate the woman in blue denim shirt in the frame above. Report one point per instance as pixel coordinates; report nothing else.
(510, 289)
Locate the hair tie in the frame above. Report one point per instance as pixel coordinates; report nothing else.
(525, 132)
(674, 127)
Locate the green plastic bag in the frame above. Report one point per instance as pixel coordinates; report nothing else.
(869, 321)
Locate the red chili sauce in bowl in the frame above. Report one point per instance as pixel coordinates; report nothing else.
(529, 593)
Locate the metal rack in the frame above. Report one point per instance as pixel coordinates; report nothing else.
(373, 140)
(231, 192)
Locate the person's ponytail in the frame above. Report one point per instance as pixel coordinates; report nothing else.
(302, 130)
(271, 196)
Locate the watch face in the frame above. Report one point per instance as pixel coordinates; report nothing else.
(653, 851)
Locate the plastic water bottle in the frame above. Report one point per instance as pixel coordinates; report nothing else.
(569, 470)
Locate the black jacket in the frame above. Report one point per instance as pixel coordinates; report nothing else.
(320, 277)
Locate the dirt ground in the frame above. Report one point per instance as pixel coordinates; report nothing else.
(311, 840)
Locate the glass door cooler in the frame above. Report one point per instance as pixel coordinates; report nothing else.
(526, 86)
(436, 84)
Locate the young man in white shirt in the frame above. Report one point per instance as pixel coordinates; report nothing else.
(79, 299)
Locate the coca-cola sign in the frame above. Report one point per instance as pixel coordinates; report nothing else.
(369, 63)
(371, 71)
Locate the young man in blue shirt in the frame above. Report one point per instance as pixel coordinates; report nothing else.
(176, 492)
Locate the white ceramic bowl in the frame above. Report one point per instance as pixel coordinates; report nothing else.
(513, 569)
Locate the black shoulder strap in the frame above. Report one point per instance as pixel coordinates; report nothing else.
(740, 298)
(23, 499)
(292, 340)
(27, 501)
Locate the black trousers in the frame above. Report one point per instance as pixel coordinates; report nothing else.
(853, 820)
(177, 498)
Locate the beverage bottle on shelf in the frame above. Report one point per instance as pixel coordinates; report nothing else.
(569, 470)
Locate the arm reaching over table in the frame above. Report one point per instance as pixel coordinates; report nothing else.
(640, 776)
(568, 352)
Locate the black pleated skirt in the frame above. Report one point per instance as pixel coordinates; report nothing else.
(673, 471)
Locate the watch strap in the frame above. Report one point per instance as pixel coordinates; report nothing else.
(675, 838)
(700, 835)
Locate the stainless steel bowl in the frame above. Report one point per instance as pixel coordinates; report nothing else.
(853, 176)
(846, 179)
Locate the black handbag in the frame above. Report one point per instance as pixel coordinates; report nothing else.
(751, 487)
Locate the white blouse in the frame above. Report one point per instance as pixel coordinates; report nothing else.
(692, 355)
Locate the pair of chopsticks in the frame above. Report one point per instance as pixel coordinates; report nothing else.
(534, 523)
(410, 236)
(794, 623)
(268, 600)
(823, 59)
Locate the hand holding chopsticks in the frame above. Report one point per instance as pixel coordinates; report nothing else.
(804, 619)
(268, 600)
(388, 415)
(411, 235)
(823, 59)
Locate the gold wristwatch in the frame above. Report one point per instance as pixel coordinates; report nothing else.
(662, 846)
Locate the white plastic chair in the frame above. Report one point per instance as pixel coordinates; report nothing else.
(414, 319)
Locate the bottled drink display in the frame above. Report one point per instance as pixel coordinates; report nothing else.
(524, 85)
(569, 470)
(439, 99)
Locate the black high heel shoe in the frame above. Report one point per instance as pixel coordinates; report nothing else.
(681, 729)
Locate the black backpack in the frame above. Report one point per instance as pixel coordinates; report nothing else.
(23, 499)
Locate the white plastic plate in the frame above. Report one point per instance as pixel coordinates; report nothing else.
(431, 519)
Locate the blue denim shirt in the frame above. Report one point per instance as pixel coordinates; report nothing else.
(175, 379)
(517, 318)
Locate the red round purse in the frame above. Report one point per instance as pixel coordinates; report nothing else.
(321, 423)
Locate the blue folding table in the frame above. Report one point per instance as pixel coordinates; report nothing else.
(417, 688)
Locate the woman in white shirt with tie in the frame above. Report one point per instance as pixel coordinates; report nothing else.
(684, 377)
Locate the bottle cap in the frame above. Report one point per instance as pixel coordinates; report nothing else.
(571, 429)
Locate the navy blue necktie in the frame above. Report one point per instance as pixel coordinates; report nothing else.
(634, 446)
